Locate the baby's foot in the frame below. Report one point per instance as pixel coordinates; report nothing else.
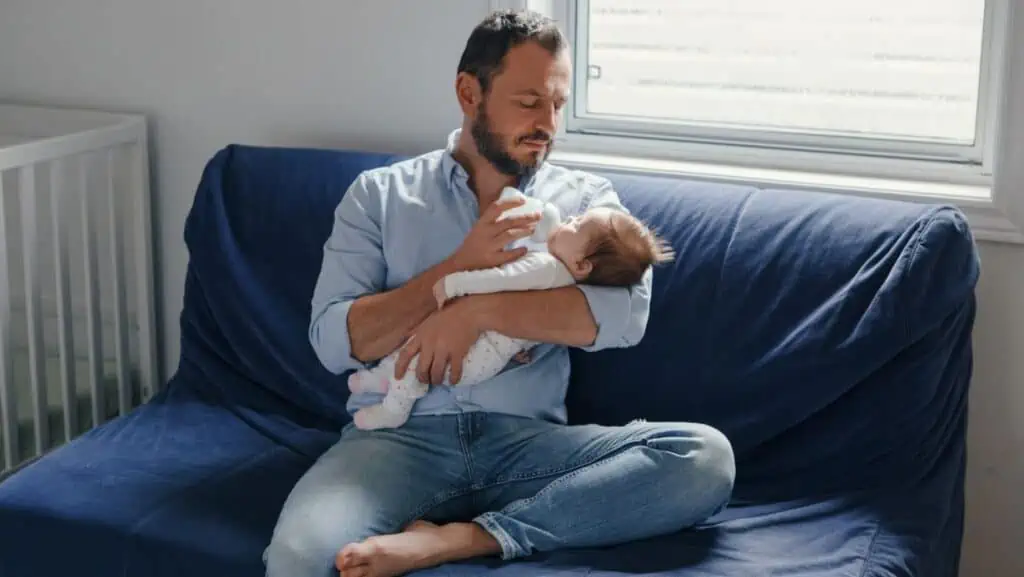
(378, 417)
(367, 382)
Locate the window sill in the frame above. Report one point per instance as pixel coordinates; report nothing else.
(989, 222)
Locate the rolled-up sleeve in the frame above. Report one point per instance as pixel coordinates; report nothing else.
(621, 313)
(353, 265)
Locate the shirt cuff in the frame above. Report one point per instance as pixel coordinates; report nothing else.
(330, 339)
(451, 285)
(611, 309)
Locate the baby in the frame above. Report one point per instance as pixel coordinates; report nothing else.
(602, 246)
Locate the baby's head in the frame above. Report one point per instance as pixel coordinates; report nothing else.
(608, 247)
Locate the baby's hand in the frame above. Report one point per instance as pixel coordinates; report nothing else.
(439, 293)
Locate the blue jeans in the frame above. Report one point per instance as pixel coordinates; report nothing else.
(533, 485)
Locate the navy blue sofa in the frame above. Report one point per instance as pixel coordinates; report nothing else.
(828, 337)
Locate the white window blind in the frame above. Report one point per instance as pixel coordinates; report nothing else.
(901, 78)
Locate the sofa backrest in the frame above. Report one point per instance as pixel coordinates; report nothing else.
(255, 237)
(826, 336)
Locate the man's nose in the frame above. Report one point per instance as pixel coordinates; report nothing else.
(547, 119)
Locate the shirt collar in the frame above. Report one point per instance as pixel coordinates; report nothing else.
(453, 171)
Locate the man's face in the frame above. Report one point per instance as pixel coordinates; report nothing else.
(516, 120)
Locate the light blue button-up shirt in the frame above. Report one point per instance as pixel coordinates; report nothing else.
(396, 222)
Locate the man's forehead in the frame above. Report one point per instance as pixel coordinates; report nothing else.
(532, 69)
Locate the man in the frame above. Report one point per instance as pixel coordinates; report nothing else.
(492, 469)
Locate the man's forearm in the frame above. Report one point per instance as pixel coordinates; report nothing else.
(379, 323)
(560, 315)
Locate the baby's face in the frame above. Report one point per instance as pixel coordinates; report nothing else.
(569, 241)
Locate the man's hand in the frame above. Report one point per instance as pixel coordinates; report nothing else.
(442, 340)
(484, 246)
(379, 323)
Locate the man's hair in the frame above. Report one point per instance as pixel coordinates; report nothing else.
(499, 32)
(621, 255)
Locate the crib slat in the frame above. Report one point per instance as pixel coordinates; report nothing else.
(8, 406)
(33, 314)
(124, 393)
(58, 190)
(145, 305)
(94, 338)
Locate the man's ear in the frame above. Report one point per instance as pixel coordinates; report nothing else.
(467, 90)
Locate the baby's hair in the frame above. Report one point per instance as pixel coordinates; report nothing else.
(622, 255)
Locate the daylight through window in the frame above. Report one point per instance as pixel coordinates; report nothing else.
(890, 75)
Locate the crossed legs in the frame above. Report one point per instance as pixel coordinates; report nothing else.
(365, 509)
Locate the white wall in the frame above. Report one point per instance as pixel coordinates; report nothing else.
(210, 73)
(323, 72)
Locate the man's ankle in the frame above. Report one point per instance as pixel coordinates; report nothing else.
(471, 540)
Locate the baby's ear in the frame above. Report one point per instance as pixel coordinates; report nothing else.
(582, 268)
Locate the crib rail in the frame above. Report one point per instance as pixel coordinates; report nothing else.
(77, 331)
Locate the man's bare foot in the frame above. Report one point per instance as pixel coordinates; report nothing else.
(421, 545)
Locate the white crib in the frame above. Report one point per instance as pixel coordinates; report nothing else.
(78, 342)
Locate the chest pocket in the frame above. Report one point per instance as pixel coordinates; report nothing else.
(419, 235)
(417, 238)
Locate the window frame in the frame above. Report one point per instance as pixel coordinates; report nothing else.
(987, 185)
(579, 120)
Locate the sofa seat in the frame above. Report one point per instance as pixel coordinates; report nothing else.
(184, 486)
(181, 486)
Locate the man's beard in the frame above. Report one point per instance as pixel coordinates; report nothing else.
(491, 146)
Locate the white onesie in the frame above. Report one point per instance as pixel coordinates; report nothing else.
(538, 269)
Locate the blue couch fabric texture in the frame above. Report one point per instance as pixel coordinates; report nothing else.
(829, 337)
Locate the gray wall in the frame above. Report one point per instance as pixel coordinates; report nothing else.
(352, 74)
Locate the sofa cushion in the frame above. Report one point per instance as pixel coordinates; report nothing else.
(827, 336)
(180, 486)
(255, 237)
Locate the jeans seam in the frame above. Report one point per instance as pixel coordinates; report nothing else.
(466, 453)
(519, 505)
(490, 522)
(562, 470)
(446, 496)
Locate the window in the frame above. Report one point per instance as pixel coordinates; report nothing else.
(900, 78)
(905, 99)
